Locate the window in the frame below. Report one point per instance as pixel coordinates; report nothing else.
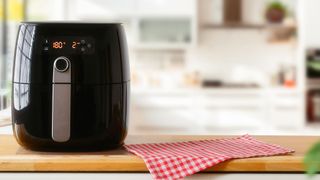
(12, 12)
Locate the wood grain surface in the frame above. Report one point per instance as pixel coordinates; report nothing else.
(15, 158)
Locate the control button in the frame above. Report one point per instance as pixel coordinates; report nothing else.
(83, 49)
(45, 45)
(83, 42)
(46, 41)
(89, 45)
(61, 64)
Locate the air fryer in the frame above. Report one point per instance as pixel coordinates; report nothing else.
(71, 86)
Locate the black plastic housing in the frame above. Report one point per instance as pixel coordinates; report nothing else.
(100, 85)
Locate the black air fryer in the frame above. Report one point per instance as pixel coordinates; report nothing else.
(70, 86)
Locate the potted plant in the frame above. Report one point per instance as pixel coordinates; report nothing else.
(275, 12)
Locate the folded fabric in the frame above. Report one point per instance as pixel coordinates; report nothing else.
(179, 159)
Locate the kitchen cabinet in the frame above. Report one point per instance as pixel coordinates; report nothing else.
(286, 110)
(149, 24)
(162, 30)
(210, 111)
(164, 113)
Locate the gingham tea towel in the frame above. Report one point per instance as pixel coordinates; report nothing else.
(180, 159)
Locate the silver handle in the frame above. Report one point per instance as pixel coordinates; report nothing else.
(61, 99)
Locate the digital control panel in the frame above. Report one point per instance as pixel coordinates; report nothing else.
(68, 45)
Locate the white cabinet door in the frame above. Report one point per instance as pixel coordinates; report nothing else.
(196, 113)
(286, 111)
(163, 114)
(244, 111)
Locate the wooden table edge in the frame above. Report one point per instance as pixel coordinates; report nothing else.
(41, 162)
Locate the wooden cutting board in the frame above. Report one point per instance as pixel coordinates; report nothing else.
(15, 158)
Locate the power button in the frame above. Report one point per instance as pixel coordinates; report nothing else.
(61, 64)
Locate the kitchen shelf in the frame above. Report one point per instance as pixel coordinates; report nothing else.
(246, 26)
(233, 26)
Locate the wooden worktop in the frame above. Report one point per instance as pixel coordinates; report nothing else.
(15, 158)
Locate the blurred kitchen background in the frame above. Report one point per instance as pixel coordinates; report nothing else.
(200, 66)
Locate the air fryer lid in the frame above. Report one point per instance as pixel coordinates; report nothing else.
(97, 52)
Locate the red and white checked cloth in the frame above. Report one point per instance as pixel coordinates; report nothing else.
(180, 159)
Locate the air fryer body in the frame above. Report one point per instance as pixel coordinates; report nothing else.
(70, 86)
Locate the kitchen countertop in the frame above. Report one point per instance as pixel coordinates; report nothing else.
(14, 158)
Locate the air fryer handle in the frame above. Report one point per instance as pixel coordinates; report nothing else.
(61, 99)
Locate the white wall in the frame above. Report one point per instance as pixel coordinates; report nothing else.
(311, 24)
(226, 53)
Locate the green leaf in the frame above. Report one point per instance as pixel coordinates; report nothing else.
(312, 160)
(277, 5)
